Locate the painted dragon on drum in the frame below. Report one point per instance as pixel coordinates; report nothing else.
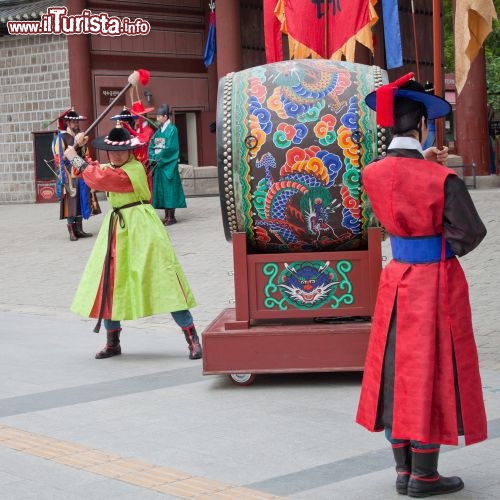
(315, 204)
(299, 142)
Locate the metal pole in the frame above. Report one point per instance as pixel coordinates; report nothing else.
(415, 41)
(326, 30)
(438, 74)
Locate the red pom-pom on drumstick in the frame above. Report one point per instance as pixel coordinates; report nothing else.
(140, 76)
(143, 76)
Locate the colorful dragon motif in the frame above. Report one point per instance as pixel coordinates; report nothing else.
(300, 161)
(307, 175)
(307, 285)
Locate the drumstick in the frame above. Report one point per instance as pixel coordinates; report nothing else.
(140, 76)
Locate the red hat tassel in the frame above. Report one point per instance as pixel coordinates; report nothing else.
(385, 100)
(385, 106)
(60, 121)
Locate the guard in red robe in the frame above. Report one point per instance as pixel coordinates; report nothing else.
(421, 382)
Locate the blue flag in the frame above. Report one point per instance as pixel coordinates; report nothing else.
(209, 54)
(392, 34)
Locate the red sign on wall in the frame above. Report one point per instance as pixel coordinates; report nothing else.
(46, 192)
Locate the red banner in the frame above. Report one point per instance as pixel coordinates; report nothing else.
(272, 32)
(322, 27)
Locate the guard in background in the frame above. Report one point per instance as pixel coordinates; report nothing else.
(77, 201)
(421, 383)
(164, 158)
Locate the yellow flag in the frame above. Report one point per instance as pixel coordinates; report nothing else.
(473, 23)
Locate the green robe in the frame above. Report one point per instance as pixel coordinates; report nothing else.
(167, 185)
(148, 277)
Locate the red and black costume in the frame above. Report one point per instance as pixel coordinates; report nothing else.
(421, 373)
(421, 382)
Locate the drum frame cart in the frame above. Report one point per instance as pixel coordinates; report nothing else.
(253, 338)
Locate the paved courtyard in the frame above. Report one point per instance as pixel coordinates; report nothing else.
(149, 425)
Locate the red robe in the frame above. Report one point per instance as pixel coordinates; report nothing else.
(433, 327)
(144, 133)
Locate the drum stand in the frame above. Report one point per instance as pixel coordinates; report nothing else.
(270, 332)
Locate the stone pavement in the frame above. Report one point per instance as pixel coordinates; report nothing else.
(149, 425)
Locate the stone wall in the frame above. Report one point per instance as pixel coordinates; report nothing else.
(34, 85)
(199, 181)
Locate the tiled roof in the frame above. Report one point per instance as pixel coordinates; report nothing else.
(20, 10)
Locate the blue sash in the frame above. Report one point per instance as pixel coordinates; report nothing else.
(418, 249)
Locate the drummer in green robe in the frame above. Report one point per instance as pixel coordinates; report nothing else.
(164, 158)
(133, 271)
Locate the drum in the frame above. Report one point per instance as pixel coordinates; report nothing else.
(292, 140)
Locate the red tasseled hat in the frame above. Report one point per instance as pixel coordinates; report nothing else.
(139, 109)
(61, 124)
(385, 100)
(69, 114)
(382, 100)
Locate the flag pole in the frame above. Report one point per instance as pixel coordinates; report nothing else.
(415, 41)
(438, 74)
(326, 29)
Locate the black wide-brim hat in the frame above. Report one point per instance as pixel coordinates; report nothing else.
(125, 115)
(73, 115)
(381, 100)
(118, 139)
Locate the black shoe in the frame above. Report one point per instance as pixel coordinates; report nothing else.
(108, 351)
(195, 351)
(112, 347)
(440, 486)
(80, 233)
(425, 480)
(72, 234)
(402, 457)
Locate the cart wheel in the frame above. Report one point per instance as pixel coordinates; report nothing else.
(242, 378)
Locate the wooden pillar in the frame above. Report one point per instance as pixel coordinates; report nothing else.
(80, 78)
(228, 37)
(472, 118)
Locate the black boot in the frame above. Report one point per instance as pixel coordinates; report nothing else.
(167, 216)
(425, 480)
(78, 230)
(193, 341)
(71, 231)
(112, 347)
(170, 217)
(402, 456)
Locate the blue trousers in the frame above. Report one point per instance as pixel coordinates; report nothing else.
(182, 318)
(415, 444)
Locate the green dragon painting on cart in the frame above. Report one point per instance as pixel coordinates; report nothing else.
(307, 285)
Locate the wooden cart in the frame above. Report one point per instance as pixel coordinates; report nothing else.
(285, 322)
